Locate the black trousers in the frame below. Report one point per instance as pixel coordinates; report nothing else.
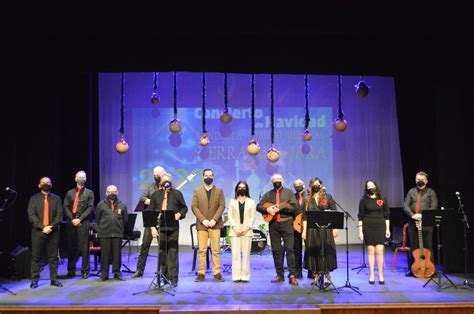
(78, 244)
(144, 249)
(427, 233)
(283, 231)
(169, 250)
(298, 250)
(110, 248)
(40, 242)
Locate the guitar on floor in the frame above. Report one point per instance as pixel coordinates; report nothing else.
(269, 217)
(422, 267)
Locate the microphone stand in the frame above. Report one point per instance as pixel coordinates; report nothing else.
(466, 282)
(348, 283)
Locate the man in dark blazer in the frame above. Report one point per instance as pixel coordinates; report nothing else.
(111, 217)
(45, 213)
(170, 203)
(78, 207)
(208, 206)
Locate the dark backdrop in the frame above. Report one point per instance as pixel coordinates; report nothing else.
(49, 112)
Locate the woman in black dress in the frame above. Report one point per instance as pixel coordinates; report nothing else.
(316, 239)
(374, 226)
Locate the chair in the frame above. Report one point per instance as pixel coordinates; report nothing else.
(195, 247)
(130, 235)
(94, 246)
(401, 248)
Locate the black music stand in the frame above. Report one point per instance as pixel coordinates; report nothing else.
(156, 219)
(322, 220)
(434, 217)
(129, 236)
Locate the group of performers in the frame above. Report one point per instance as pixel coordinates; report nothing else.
(280, 206)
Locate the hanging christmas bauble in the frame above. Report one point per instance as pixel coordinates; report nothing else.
(340, 124)
(253, 148)
(175, 125)
(122, 146)
(273, 154)
(307, 135)
(362, 89)
(155, 98)
(226, 117)
(204, 141)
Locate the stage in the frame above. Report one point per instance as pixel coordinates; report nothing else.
(398, 292)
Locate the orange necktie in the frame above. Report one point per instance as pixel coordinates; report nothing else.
(76, 200)
(277, 198)
(300, 199)
(164, 205)
(46, 211)
(112, 205)
(417, 207)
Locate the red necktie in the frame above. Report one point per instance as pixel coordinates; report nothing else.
(112, 205)
(46, 211)
(300, 199)
(76, 200)
(417, 207)
(277, 198)
(164, 205)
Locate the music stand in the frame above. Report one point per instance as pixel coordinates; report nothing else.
(156, 219)
(434, 217)
(128, 231)
(322, 220)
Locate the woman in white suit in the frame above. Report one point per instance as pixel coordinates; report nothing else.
(241, 215)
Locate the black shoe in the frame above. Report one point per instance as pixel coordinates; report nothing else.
(372, 282)
(70, 275)
(119, 278)
(85, 275)
(382, 282)
(102, 279)
(56, 283)
(137, 274)
(34, 285)
(409, 274)
(174, 284)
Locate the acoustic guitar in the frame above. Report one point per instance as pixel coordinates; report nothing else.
(422, 267)
(268, 217)
(298, 223)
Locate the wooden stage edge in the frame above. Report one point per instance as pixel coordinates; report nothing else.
(404, 308)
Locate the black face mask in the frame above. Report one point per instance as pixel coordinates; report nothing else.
(277, 185)
(166, 184)
(157, 180)
(241, 192)
(208, 181)
(46, 187)
(372, 191)
(316, 188)
(420, 184)
(112, 197)
(81, 182)
(299, 188)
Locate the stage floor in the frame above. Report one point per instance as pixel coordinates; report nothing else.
(398, 289)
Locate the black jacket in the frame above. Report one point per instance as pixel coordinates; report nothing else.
(85, 205)
(36, 208)
(110, 223)
(176, 204)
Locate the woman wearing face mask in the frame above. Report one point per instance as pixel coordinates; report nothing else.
(374, 226)
(316, 238)
(241, 218)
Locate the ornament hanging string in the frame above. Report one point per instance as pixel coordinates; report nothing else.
(225, 92)
(155, 81)
(252, 85)
(204, 102)
(341, 115)
(306, 91)
(175, 96)
(122, 110)
(272, 113)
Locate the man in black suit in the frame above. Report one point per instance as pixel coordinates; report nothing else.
(111, 218)
(78, 206)
(168, 201)
(45, 213)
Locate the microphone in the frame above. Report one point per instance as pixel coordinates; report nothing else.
(458, 195)
(8, 189)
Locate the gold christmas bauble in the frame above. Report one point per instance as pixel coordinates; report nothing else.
(362, 89)
(307, 135)
(155, 98)
(175, 125)
(340, 124)
(253, 148)
(204, 141)
(273, 154)
(122, 146)
(226, 117)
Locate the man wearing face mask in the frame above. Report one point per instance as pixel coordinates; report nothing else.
(111, 217)
(147, 236)
(168, 200)
(281, 227)
(208, 205)
(417, 199)
(78, 206)
(300, 196)
(45, 212)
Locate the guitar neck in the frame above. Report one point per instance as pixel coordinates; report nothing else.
(420, 237)
(181, 184)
